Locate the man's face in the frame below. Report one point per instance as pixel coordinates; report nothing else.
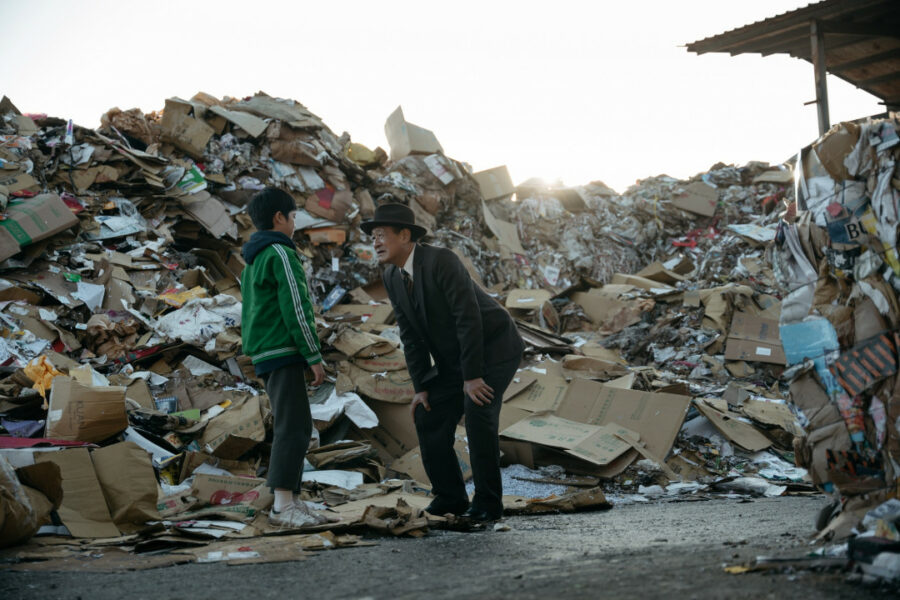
(391, 247)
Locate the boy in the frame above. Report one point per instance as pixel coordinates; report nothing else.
(278, 331)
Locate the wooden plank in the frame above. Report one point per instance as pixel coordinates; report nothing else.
(817, 50)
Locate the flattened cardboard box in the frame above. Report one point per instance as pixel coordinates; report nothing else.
(32, 220)
(600, 445)
(753, 338)
(655, 417)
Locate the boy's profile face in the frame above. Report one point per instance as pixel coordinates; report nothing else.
(284, 224)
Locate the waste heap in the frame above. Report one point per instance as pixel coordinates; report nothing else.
(651, 320)
(835, 255)
(121, 318)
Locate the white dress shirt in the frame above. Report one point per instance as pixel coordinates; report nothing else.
(408, 266)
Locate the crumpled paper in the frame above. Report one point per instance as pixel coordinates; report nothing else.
(349, 404)
(41, 371)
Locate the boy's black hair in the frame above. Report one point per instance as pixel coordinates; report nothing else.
(266, 203)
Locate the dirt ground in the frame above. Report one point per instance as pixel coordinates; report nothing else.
(662, 550)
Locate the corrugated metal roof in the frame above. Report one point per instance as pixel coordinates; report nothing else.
(862, 41)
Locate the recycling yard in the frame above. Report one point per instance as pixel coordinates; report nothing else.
(657, 550)
(708, 403)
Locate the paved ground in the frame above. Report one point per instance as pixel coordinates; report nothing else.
(673, 550)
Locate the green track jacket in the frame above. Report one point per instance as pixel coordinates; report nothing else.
(277, 315)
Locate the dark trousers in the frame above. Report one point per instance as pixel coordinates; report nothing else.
(292, 429)
(436, 429)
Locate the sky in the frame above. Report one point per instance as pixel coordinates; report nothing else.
(573, 91)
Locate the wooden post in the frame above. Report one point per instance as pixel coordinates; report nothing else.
(817, 47)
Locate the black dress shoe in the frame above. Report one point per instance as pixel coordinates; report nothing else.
(481, 516)
(439, 506)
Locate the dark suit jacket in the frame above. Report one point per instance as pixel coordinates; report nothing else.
(450, 318)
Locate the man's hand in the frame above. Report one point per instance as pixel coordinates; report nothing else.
(419, 398)
(478, 391)
(318, 370)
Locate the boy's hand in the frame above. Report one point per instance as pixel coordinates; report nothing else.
(318, 374)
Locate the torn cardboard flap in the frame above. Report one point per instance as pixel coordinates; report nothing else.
(235, 431)
(210, 213)
(834, 148)
(733, 427)
(83, 510)
(545, 393)
(699, 198)
(184, 131)
(521, 382)
(771, 413)
(404, 138)
(249, 123)
(596, 368)
(608, 311)
(129, 484)
(505, 232)
(85, 413)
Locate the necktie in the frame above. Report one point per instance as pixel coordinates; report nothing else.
(407, 281)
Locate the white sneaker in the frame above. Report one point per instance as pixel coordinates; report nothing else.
(295, 516)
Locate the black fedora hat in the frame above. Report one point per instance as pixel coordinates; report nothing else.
(397, 215)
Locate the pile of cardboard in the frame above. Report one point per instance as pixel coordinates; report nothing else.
(121, 315)
(651, 320)
(836, 257)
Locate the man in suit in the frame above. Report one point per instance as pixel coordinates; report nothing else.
(462, 351)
